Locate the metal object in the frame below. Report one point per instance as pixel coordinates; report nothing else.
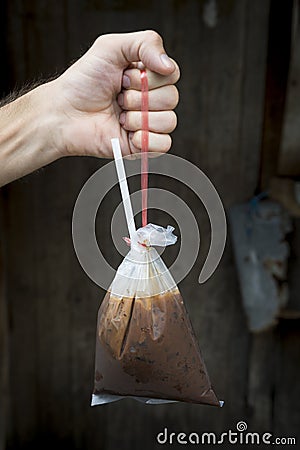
(259, 230)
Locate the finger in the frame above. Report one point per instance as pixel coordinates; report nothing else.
(144, 46)
(159, 122)
(132, 79)
(157, 142)
(160, 99)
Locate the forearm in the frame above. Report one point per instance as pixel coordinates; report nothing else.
(27, 127)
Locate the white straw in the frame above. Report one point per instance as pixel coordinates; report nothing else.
(123, 187)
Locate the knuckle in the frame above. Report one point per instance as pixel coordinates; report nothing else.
(176, 72)
(100, 40)
(174, 77)
(173, 121)
(167, 143)
(173, 96)
(154, 36)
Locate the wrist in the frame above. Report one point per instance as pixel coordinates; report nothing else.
(46, 121)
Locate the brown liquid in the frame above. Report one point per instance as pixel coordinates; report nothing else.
(147, 347)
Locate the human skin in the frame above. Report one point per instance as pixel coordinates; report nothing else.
(94, 100)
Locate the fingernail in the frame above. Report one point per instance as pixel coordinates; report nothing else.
(121, 99)
(122, 118)
(166, 61)
(126, 82)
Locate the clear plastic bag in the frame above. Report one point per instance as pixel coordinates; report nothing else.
(145, 344)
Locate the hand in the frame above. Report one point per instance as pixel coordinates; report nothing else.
(99, 96)
(80, 111)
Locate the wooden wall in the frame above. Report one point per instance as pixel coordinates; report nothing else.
(52, 305)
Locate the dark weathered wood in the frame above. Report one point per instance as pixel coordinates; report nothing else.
(252, 95)
(289, 160)
(293, 306)
(4, 334)
(34, 369)
(287, 390)
(4, 351)
(279, 48)
(263, 364)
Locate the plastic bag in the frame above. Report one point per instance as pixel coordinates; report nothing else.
(145, 344)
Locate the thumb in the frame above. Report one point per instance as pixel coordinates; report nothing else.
(145, 46)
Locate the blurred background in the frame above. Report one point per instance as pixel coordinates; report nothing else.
(238, 120)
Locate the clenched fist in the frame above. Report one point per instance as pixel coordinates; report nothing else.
(96, 99)
(100, 96)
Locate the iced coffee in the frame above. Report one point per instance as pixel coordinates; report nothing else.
(146, 347)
